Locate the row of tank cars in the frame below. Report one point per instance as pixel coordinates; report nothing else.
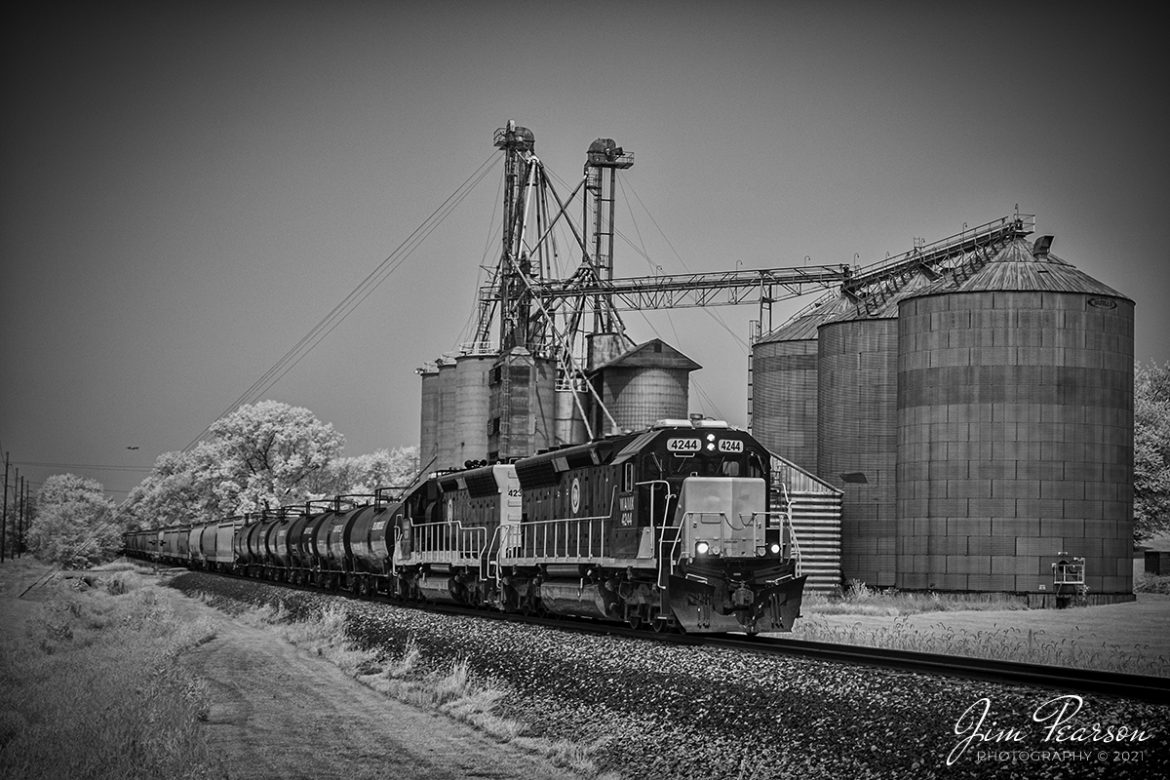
(666, 528)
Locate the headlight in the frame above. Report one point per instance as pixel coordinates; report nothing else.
(775, 548)
(702, 548)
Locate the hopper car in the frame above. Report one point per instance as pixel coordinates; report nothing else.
(667, 528)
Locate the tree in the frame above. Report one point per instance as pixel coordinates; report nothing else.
(265, 454)
(74, 524)
(365, 473)
(181, 488)
(1151, 456)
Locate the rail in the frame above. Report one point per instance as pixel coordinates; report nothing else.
(561, 539)
(446, 542)
(666, 548)
(786, 524)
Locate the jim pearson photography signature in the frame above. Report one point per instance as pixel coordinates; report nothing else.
(1054, 722)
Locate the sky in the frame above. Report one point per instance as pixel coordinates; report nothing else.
(189, 188)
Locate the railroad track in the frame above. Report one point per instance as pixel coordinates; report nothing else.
(1064, 679)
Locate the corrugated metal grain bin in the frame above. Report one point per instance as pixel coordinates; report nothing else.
(814, 507)
(1015, 429)
(857, 420)
(784, 386)
(857, 444)
(645, 384)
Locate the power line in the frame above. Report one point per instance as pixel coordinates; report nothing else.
(351, 301)
(86, 466)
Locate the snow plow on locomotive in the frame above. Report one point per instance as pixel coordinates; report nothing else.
(667, 528)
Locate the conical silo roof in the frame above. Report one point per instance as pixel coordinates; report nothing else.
(1020, 267)
(804, 327)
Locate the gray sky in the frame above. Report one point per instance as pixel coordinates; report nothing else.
(189, 188)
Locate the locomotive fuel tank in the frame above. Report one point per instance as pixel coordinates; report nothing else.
(580, 599)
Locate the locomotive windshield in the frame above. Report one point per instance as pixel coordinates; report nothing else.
(685, 457)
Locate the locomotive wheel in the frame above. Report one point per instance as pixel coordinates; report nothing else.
(659, 623)
(634, 616)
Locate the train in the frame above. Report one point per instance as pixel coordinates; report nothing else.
(667, 529)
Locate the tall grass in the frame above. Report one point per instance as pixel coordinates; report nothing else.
(91, 686)
(453, 689)
(860, 599)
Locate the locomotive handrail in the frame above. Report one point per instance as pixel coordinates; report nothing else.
(537, 542)
(787, 535)
(432, 545)
(787, 515)
(528, 545)
(663, 560)
(493, 556)
(397, 546)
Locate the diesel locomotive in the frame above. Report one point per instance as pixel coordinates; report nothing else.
(667, 528)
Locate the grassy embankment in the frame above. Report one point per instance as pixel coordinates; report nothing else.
(455, 691)
(90, 684)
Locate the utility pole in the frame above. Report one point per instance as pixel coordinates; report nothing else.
(18, 542)
(4, 521)
(23, 490)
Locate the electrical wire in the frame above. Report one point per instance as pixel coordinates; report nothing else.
(87, 466)
(355, 297)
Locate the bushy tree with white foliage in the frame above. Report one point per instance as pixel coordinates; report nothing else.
(261, 455)
(366, 473)
(75, 522)
(268, 454)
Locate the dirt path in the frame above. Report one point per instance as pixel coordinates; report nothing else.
(278, 712)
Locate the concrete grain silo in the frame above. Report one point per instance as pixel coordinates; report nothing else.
(470, 416)
(445, 448)
(1015, 429)
(428, 446)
